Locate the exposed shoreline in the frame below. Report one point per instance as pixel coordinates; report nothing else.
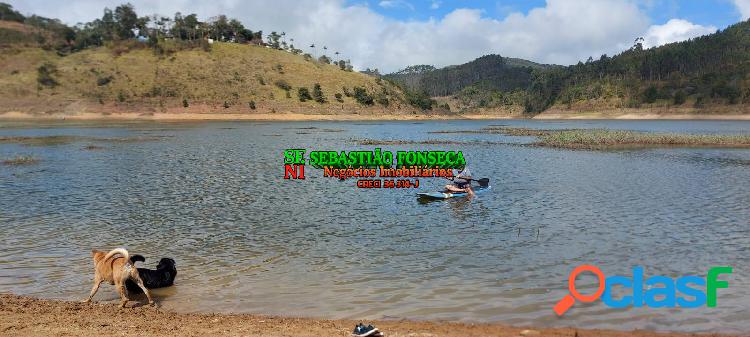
(177, 117)
(26, 316)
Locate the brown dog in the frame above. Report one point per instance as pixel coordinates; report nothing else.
(116, 270)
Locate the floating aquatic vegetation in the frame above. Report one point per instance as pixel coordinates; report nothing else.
(602, 139)
(62, 140)
(41, 140)
(423, 142)
(92, 147)
(132, 139)
(21, 160)
(502, 130)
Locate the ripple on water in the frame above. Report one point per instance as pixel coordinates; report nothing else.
(210, 195)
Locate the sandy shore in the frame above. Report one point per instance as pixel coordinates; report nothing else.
(24, 316)
(170, 116)
(88, 116)
(645, 116)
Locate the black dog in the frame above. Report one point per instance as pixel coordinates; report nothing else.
(162, 277)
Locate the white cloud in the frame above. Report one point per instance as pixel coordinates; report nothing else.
(435, 4)
(744, 7)
(556, 33)
(674, 30)
(396, 4)
(562, 31)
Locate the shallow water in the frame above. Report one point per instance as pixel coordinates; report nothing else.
(212, 196)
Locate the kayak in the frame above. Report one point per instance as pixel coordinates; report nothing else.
(448, 195)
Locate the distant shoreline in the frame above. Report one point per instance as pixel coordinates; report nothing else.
(169, 116)
(27, 316)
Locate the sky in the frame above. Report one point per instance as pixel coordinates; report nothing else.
(392, 34)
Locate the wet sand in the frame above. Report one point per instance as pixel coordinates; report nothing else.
(25, 316)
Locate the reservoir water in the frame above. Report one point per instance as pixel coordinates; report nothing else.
(211, 196)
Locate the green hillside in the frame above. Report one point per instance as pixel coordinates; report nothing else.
(491, 72)
(704, 74)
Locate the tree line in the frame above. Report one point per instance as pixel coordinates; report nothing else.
(709, 69)
(491, 72)
(124, 23)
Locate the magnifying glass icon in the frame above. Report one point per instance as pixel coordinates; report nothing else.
(566, 302)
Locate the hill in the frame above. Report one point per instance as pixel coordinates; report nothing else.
(126, 63)
(228, 78)
(120, 63)
(491, 72)
(705, 74)
(708, 74)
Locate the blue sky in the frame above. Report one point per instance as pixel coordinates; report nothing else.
(719, 13)
(392, 34)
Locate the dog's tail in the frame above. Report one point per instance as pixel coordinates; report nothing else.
(121, 251)
(135, 258)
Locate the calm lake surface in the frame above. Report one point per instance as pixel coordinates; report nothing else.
(211, 195)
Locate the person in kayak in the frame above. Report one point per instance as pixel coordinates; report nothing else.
(461, 182)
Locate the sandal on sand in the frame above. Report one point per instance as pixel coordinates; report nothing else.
(361, 331)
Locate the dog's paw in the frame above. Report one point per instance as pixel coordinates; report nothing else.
(88, 300)
(152, 303)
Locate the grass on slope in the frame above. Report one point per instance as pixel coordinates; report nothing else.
(232, 73)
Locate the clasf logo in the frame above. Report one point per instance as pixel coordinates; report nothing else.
(660, 291)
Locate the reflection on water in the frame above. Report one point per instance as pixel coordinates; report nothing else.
(211, 196)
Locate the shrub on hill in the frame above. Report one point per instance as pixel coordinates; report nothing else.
(317, 94)
(361, 96)
(303, 94)
(45, 75)
(283, 85)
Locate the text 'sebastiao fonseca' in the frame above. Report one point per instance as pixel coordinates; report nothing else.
(413, 164)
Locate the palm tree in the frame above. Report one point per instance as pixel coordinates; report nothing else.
(313, 48)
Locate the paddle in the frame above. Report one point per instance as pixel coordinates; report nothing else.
(482, 182)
